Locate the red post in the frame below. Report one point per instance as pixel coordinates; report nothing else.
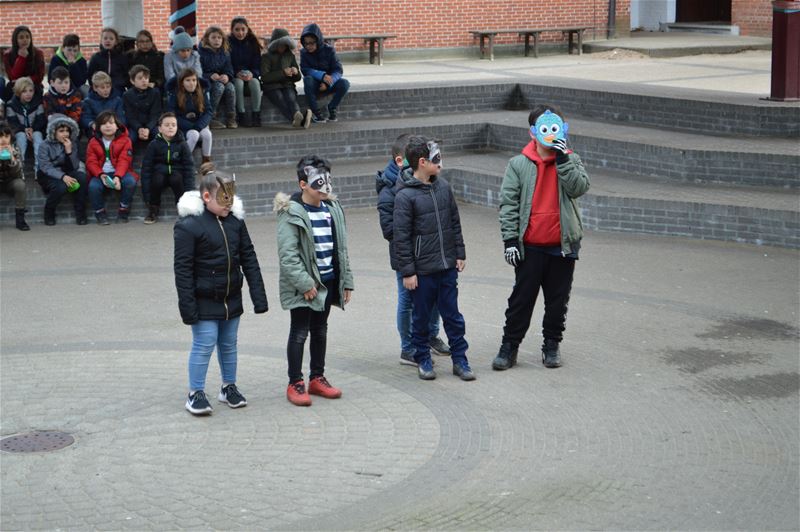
(785, 50)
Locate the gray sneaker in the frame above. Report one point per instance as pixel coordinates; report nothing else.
(439, 347)
(407, 358)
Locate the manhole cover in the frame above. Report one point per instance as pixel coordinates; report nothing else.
(40, 441)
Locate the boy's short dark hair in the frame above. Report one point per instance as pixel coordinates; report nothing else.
(416, 149)
(71, 39)
(168, 114)
(59, 73)
(399, 145)
(5, 131)
(137, 69)
(313, 161)
(539, 110)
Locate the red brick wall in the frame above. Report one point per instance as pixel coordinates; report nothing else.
(754, 17)
(443, 23)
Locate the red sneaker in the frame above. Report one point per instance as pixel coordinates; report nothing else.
(297, 395)
(321, 386)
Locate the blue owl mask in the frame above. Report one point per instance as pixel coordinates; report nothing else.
(549, 127)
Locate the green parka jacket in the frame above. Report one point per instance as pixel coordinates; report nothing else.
(516, 198)
(298, 263)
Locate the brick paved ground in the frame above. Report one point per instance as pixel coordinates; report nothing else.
(677, 406)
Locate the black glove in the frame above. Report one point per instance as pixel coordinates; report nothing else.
(511, 253)
(560, 147)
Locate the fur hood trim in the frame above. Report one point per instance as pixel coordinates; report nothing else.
(282, 201)
(191, 204)
(57, 120)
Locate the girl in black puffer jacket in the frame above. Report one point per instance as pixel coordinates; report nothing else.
(213, 255)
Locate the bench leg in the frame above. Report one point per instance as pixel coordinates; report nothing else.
(535, 45)
(380, 52)
(372, 51)
(491, 47)
(580, 43)
(527, 44)
(569, 49)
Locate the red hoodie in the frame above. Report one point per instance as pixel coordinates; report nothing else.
(121, 155)
(544, 225)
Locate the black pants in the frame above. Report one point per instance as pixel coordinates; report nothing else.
(285, 100)
(305, 320)
(56, 189)
(554, 275)
(161, 181)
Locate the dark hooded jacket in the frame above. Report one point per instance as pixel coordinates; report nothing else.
(114, 63)
(78, 71)
(244, 56)
(324, 59)
(213, 256)
(427, 227)
(21, 116)
(142, 108)
(54, 163)
(168, 157)
(273, 63)
(385, 186)
(154, 60)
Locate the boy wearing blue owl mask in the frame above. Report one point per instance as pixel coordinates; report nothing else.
(541, 229)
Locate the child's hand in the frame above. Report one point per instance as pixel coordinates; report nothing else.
(223, 78)
(144, 133)
(347, 295)
(29, 133)
(322, 87)
(67, 145)
(560, 145)
(327, 79)
(311, 294)
(410, 283)
(23, 52)
(215, 77)
(118, 185)
(288, 72)
(460, 265)
(69, 180)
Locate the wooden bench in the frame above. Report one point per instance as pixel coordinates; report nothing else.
(375, 41)
(528, 33)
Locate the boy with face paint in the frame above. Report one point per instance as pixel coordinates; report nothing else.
(213, 253)
(541, 230)
(314, 273)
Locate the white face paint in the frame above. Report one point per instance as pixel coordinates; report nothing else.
(434, 153)
(318, 179)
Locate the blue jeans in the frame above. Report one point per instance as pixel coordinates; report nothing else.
(442, 288)
(226, 90)
(96, 190)
(404, 315)
(311, 88)
(205, 335)
(22, 144)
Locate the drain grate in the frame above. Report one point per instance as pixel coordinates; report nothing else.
(40, 441)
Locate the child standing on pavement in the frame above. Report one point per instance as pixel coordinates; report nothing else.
(213, 255)
(314, 273)
(386, 186)
(541, 228)
(429, 250)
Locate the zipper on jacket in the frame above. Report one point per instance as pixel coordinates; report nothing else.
(439, 228)
(228, 278)
(169, 153)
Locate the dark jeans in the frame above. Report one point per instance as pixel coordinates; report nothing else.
(285, 100)
(157, 184)
(554, 275)
(97, 190)
(438, 288)
(220, 90)
(305, 320)
(311, 87)
(55, 190)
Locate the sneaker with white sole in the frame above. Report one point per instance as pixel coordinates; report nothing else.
(230, 394)
(439, 347)
(197, 403)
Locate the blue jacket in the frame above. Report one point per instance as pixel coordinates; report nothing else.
(215, 62)
(323, 61)
(190, 118)
(386, 187)
(93, 105)
(243, 57)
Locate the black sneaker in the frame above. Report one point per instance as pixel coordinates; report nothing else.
(102, 217)
(197, 403)
(80, 218)
(318, 118)
(332, 115)
(425, 370)
(506, 358)
(462, 370)
(439, 347)
(551, 357)
(123, 215)
(407, 358)
(230, 394)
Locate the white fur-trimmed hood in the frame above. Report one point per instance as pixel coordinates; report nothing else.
(191, 204)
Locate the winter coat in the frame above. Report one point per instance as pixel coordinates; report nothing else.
(54, 163)
(385, 186)
(244, 57)
(94, 104)
(114, 63)
(121, 155)
(516, 198)
(427, 227)
(69, 104)
(142, 108)
(30, 115)
(10, 170)
(18, 68)
(324, 59)
(213, 256)
(154, 60)
(296, 252)
(78, 71)
(168, 157)
(215, 62)
(190, 118)
(173, 65)
(273, 63)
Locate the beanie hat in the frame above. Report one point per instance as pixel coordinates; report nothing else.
(182, 41)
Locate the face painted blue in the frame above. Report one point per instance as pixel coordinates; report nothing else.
(549, 127)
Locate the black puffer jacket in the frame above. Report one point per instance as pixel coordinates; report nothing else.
(167, 158)
(427, 227)
(142, 109)
(212, 257)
